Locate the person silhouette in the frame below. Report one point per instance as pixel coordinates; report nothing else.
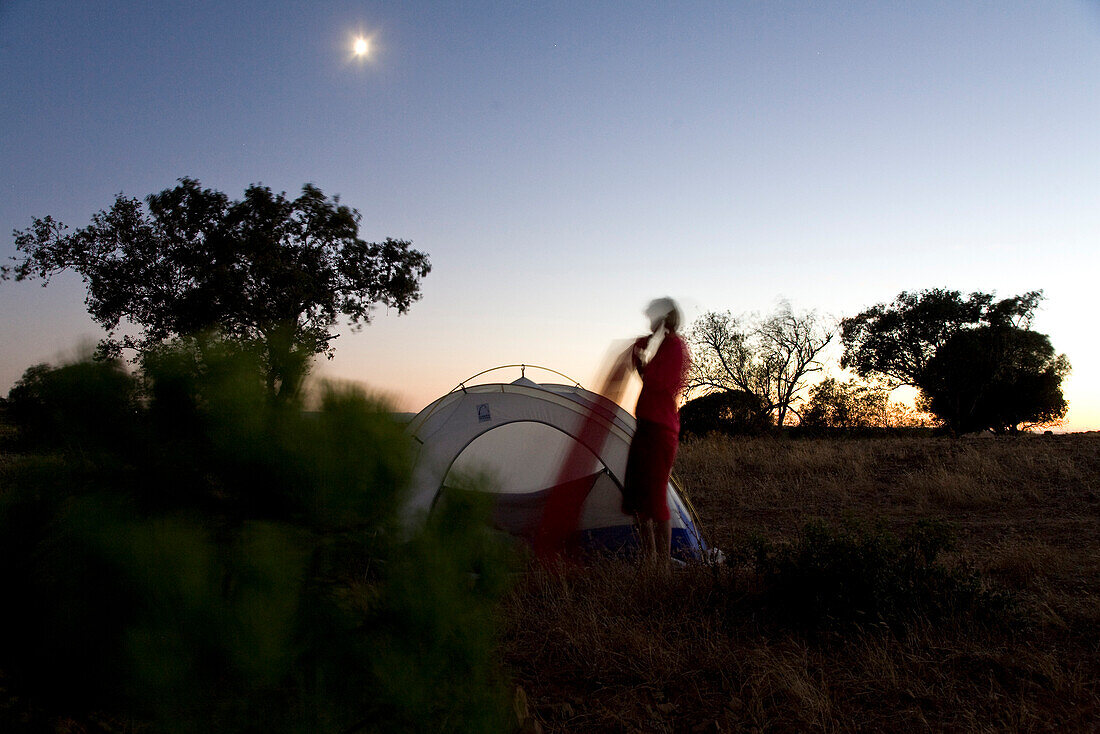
(662, 360)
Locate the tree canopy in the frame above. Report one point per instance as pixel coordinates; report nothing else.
(897, 340)
(975, 359)
(995, 377)
(849, 404)
(769, 358)
(265, 270)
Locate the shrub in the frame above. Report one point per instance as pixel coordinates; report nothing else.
(80, 406)
(867, 575)
(226, 562)
(731, 412)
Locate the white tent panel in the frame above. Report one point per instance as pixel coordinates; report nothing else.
(504, 455)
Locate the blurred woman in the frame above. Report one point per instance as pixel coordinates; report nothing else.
(663, 361)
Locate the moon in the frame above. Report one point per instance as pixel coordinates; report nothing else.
(361, 46)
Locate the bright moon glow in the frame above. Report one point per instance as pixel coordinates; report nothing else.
(361, 47)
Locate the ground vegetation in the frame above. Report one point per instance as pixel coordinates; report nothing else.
(812, 625)
(179, 553)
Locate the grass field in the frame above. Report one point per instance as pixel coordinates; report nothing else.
(608, 649)
(605, 648)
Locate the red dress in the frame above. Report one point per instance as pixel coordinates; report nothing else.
(653, 448)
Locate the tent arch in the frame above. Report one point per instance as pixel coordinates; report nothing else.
(504, 426)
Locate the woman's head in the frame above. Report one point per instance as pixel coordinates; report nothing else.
(663, 311)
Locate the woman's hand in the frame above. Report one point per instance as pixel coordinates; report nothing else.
(638, 354)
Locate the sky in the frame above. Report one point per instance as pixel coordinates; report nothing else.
(563, 163)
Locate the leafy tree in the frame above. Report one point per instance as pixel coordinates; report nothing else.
(996, 377)
(769, 358)
(265, 270)
(849, 404)
(896, 340)
(731, 412)
(975, 360)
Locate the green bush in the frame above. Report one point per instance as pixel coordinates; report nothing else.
(867, 575)
(80, 406)
(201, 557)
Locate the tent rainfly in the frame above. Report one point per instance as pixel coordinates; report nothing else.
(520, 435)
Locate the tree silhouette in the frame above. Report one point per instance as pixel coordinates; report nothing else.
(995, 377)
(732, 412)
(897, 340)
(975, 360)
(769, 358)
(266, 271)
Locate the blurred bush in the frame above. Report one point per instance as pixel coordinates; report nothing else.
(182, 548)
(83, 405)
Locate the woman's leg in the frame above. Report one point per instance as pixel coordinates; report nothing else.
(648, 540)
(662, 546)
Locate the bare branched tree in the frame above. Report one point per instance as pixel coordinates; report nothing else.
(769, 358)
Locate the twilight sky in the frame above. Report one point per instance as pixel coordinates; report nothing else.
(563, 163)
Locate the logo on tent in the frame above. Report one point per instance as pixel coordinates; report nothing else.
(483, 413)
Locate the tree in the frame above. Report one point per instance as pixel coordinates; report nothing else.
(768, 358)
(267, 271)
(976, 361)
(896, 340)
(995, 377)
(849, 404)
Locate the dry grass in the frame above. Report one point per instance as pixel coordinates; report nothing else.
(606, 649)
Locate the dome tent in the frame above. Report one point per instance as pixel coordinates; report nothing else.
(521, 434)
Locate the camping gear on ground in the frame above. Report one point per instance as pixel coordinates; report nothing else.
(519, 435)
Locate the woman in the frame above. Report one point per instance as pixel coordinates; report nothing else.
(663, 362)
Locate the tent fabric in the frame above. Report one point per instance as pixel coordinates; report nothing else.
(447, 428)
